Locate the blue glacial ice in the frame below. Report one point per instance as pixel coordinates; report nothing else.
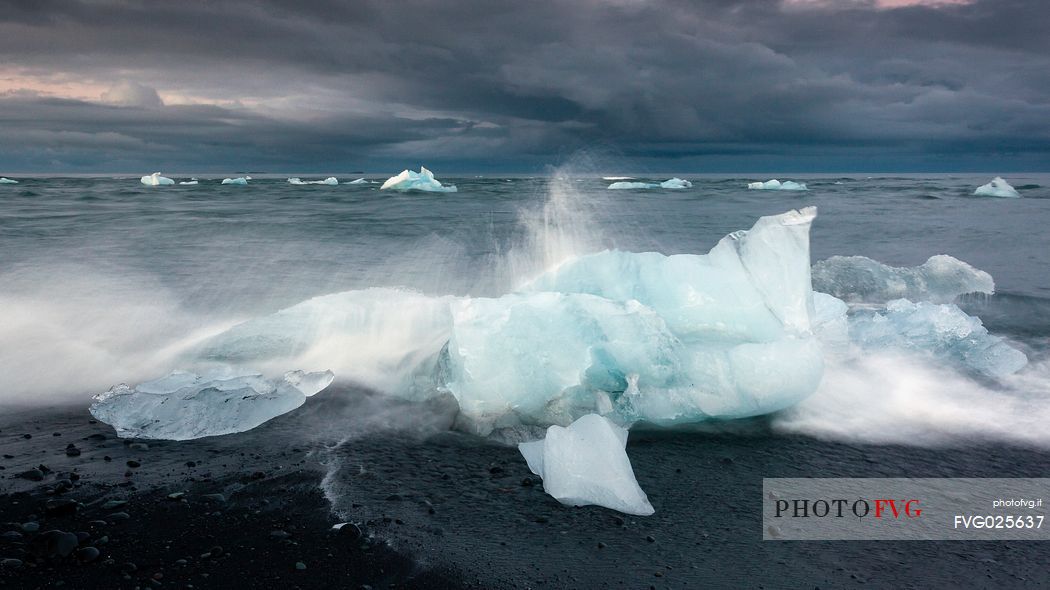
(330, 181)
(586, 463)
(997, 188)
(416, 181)
(183, 406)
(722, 335)
(633, 337)
(7, 181)
(241, 180)
(776, 185)
(857, 279)
(940, 331)
(156, 179)
(671, 183)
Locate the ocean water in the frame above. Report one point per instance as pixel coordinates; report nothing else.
(104, 280)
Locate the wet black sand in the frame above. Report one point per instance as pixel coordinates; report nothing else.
(441, 509)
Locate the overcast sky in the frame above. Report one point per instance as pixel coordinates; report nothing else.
(712, 85)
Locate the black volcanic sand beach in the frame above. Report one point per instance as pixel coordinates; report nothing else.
(435, 508)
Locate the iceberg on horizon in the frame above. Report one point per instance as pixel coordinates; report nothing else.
(241, 180)
(189, 182)
(858, 279)
(359, 181)
(330, 181)
(184, 406)
(156, 179)
(776, 185)
(617, 178)
(7, 181)
(997, 188)
(586, 463)
(673, 183)
(417, 181)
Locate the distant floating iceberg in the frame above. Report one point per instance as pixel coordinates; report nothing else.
(330, 181)
(185, 406)
(586, 463)
(359, 181)
(673, 183)
(617, 178)
(776, 185)
(242, 180)
(189, 182)
(156, 179)
(7, 181)
(997, 188)
(676, 183)
(857, 279)
(417, 181)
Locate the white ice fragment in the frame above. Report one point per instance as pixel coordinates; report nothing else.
(7, 181)
(586, 463)
(776, 185)
(241, 180)
(183, 406)
(156, 179)
(417, 181)
(359, 181)
(189, 182)
(672, 183)
(857, 279)
(997, 188)
(942, 331)
(675, 183)
(330, 181)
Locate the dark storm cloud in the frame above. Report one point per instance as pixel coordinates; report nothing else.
(340, 85)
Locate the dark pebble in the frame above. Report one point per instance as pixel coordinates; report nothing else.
(601, 545)
(280, 534)
(119, 516)
(112, 504)
(618, 520)
(650, 538)
(393, 498)
(216, 551)
(72, 450)
(133, 464)
(27, 436)
(11, 563)
(87, 554)
(300, 566)
(97, 436)
(107, 458)
(138, 447)
(258, 475)
(542, 519)
(61, 507)
(53, 543)
(350, 531)
(190, 464)
(32, 475)
(496, 470)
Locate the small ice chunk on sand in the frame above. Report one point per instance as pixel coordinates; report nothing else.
(586, 463)
(183, 406)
